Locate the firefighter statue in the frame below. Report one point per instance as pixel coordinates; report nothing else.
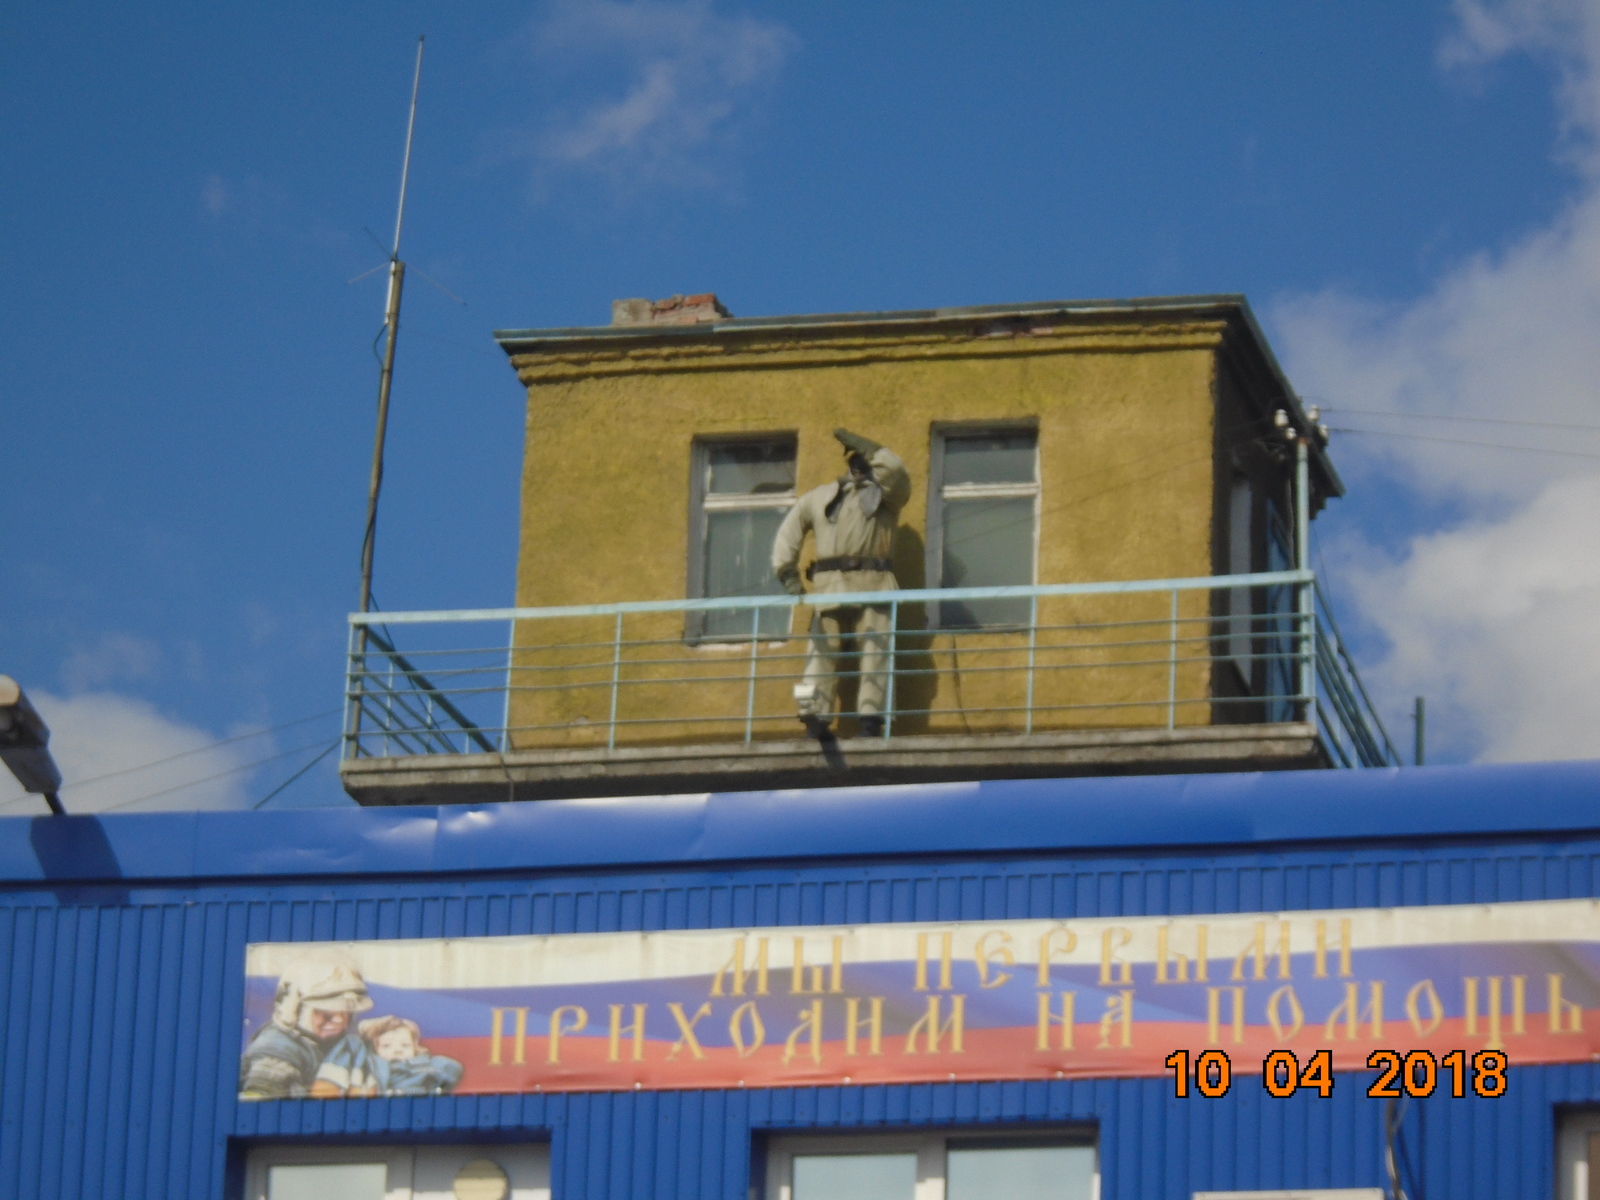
(853, 520)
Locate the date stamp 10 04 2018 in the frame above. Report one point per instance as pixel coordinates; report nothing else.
(1416, 1073)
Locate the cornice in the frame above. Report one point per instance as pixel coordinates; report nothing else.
(757, 350)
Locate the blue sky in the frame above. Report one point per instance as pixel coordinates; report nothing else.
(186, 379)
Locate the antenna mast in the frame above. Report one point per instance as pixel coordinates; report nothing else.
(391, 322)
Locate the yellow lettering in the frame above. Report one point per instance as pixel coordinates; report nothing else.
(686, 1029)
(1418, 993)
(933, 1032)
(1297, 1014)
(983, 956)
(811, 1024)
(1165, 958)
(1046, 945)
(1564, 1016)
(636, 1029)
(1065, 1020)
(580, 1019)
(1256, 949)
(1118, 1016)
(1349, 1010)
(1214, 1013)
(797, 979)
(758, 1031)
(944, 962)
(1108, 957)
(853, 1023)
(734, 970)
(497, 1031)
(1518, 1014)
(1320, 969)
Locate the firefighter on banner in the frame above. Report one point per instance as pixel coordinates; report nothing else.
(853, 520)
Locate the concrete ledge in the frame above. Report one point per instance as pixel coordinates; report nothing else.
(768, 766)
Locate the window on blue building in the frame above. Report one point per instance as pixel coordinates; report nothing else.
(933, 1167)
(498, 1172)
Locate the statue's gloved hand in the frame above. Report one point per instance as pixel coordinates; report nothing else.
(857, 443)
(790, 580)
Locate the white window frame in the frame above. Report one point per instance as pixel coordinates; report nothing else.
(939, 493)
(703, 500)
(401, 1161)
(931, 1149)
(1573, 1168)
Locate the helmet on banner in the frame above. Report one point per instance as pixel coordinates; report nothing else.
(318, 985)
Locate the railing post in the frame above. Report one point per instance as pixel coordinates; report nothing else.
(511, 669)
(1308, 601)
(888, 699)
(750, 692)
(1033, 638)
(354, 679)
(616, 676)
(1172, 666)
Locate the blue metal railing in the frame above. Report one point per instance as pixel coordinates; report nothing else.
(1139, 669)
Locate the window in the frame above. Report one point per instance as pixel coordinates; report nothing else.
(1578, 1156)
(496, 1172)
(933, 1167)
(742, 490)
(983, 523)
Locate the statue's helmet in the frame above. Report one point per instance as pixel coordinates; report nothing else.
(319, 984)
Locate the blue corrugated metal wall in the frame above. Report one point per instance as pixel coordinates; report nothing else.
(121, 1026)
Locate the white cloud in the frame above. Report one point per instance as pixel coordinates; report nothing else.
(115, 658)
(691, 74)
(1495, 620)
(100, 734)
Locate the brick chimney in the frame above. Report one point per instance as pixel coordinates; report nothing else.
(674, 310)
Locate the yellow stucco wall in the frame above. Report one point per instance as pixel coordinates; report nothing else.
(1125, 416)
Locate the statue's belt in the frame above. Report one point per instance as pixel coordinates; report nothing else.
(848, 562)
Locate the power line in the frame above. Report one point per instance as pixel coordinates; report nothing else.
(1422, 437)
(242, 737)
(1376, 412)
(209, 778)
(333, 745)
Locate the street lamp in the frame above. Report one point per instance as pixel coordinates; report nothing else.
(25, 745)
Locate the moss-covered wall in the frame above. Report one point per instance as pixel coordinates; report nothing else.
(1125, 414)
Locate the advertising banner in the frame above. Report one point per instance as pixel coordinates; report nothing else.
(972, 1000)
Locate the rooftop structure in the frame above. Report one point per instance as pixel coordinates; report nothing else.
(1102, 567)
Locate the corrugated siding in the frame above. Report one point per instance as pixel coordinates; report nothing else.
(121, 1027)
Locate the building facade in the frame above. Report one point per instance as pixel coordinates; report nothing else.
(1102, 565)
(541, 948)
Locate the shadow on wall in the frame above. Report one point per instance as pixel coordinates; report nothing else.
(76, 848)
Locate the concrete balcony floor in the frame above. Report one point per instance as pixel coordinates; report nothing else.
(804, 763)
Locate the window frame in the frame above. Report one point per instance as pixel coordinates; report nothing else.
(1574, 1129)
(702, 500)
(930, 1146)
(400, 1158)
(939, 492)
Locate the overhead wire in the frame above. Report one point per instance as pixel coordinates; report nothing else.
(210, 778)
(1422, 437)
(228, 741)
(332, 746)
(1408, 416)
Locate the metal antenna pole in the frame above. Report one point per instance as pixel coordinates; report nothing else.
(391, 321)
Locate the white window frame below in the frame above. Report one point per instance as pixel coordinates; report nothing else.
(940, 492)
(703, 500)
(1574, 1171)
(408, 1178)
(930, 1148)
